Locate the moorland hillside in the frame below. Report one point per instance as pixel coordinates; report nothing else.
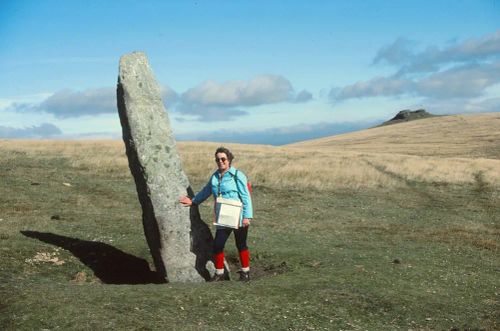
(346, 236)
(460, 149)
(467, 136)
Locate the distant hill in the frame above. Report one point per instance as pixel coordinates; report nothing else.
(408, 115)
(469, 136)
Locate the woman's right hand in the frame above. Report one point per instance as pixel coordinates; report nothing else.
(186, 201)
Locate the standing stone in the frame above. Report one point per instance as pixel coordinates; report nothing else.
(179, 241)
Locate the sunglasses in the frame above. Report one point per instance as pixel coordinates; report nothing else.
(223, 159)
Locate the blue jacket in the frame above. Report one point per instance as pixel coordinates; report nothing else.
(232, 186)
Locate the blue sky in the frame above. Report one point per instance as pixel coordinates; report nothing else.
(246, 71)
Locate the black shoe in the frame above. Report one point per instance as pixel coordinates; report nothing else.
(218, 278)
(244, 275)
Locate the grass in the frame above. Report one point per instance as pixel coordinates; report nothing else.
(283, 167)
(470, 135)
(384, 249)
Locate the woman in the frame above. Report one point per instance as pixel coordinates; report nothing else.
(229, 183)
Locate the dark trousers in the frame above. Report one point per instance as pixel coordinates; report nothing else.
(240, 237)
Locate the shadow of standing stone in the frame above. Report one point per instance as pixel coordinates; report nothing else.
(110, 265)
(179, 241)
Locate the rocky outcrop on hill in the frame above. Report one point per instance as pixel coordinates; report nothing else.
(179, 241)
(408, 115)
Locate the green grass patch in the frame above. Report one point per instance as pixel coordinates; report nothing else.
(420, 257)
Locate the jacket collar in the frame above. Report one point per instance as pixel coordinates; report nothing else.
(231, 170)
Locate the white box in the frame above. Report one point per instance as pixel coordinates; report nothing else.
(228, 213)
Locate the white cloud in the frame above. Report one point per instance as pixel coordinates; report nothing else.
(263, 89)
(44, 130)
(69, 103)
(212, 101)
(402, 53)
(23, 99)
(208, 101)
(463, 70)
(303, 96)
(460, 82)
(169, 96)
(378, 86)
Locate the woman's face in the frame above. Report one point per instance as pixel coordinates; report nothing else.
(222, 161)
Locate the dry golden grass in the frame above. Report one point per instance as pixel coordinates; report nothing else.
(94, 155)
(468, 136)
(442, 150)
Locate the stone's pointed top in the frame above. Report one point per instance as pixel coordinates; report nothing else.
(134, 56)
(137, 80)
(135, 53)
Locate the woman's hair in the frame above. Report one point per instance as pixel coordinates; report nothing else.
(226, 151)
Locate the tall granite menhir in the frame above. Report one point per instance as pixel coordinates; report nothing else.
(179, 241)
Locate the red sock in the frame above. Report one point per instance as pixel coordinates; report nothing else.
(219, 260)
(245, 258)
